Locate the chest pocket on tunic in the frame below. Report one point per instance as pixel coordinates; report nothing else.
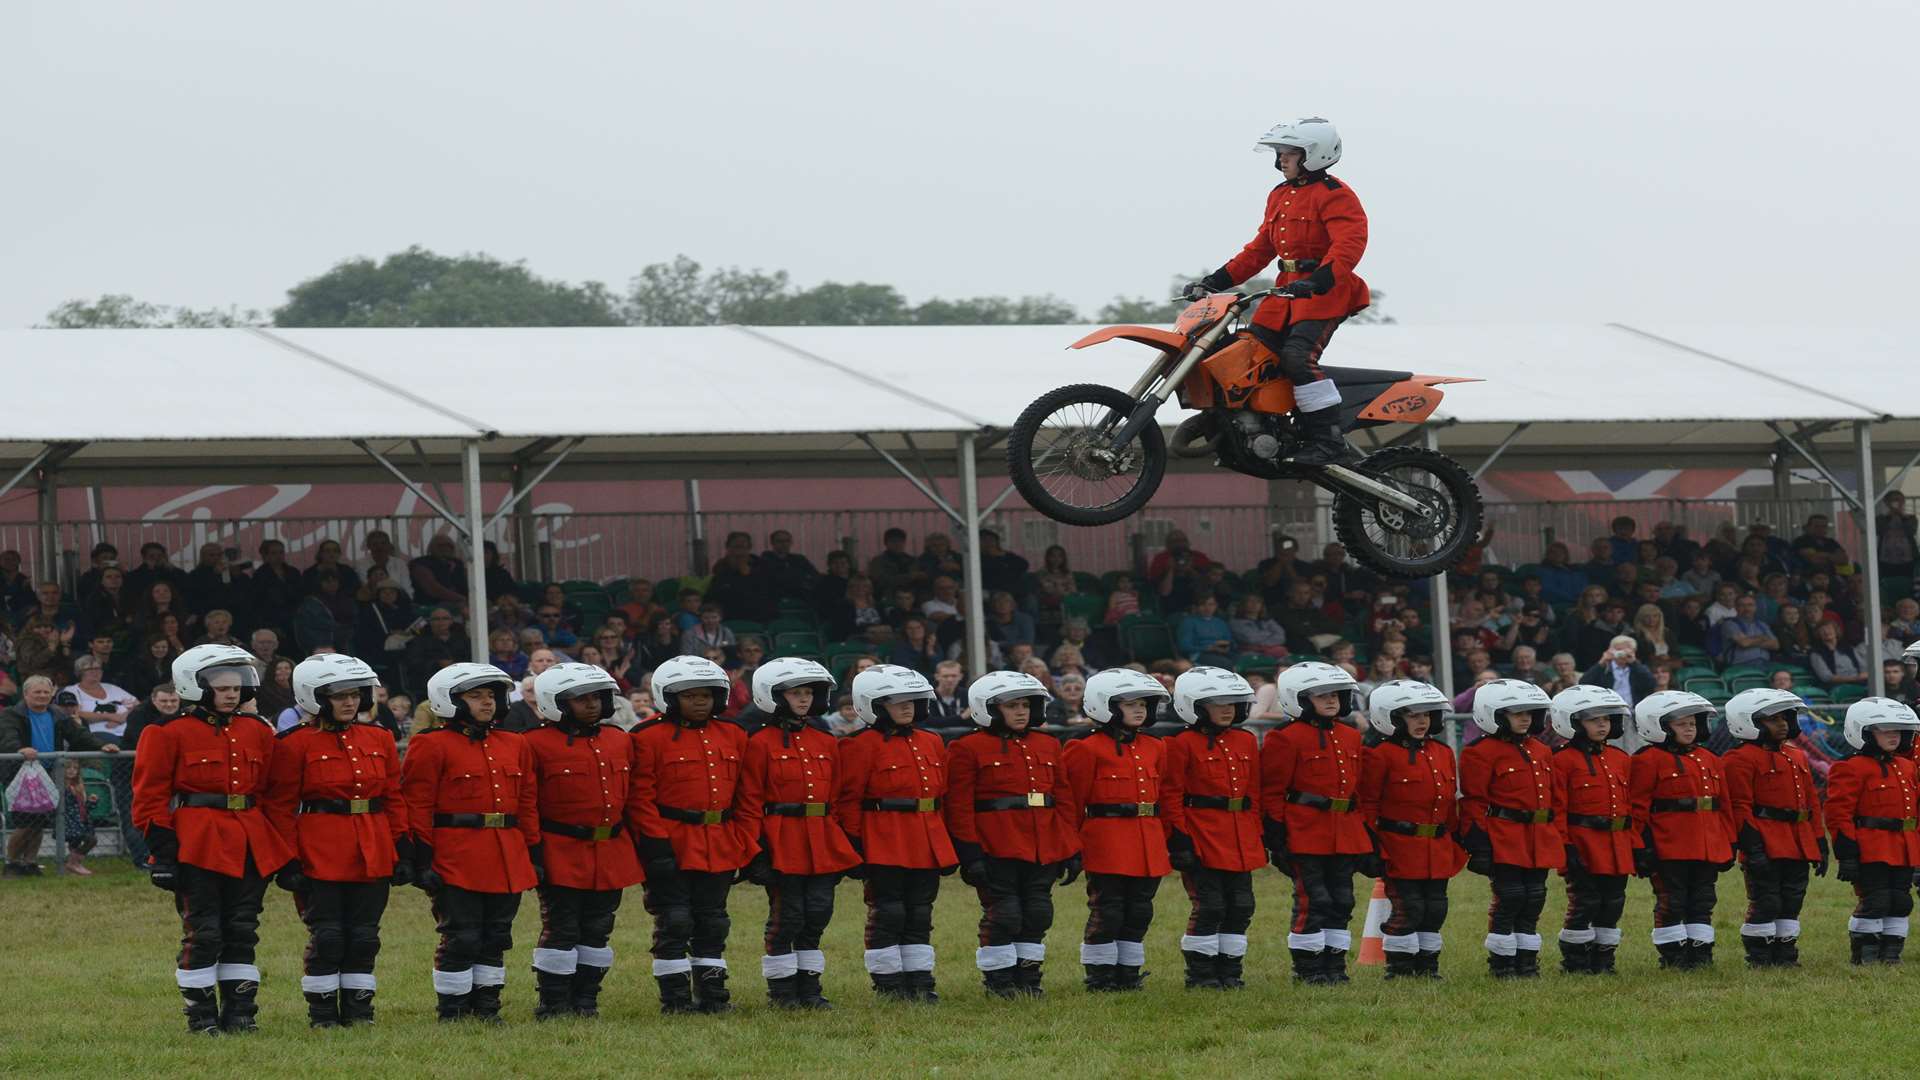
(330, 768)
(208, 772)
(510, 778)
(789, 767)
(469, 786)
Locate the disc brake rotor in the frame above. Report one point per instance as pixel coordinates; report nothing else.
(1089, 460)
(1409, 524)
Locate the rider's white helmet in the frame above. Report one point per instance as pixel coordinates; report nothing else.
(787, 673)
(1492, 701)
(1114, 685)
(876, 687)
(328, 674)
(995, 687)
(1391, 702)
(561, 683)
(1200, 686)
(1877, 712)
(1301, 681)
(689, 673)
(447, 684)
(1577, 703)
(1911, 657)
(1748, 707)
(1312, 136)
(1653, 713)
(192, 670)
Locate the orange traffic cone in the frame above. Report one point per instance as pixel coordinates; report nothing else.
(1371, 940)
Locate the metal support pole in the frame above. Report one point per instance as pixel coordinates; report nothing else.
(48, 509)
(1442, 605)
(976, 601)
(1870, 543)
(522, 491)
(476, 555)
(27, 469)
(526, 555)
(918, 484)
(1820, 465)
(1487, 463)
(420, 493)
(697, 553)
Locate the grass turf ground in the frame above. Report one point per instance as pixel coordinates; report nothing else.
(89, 977)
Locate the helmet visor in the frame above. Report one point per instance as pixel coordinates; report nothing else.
(1322, 688)
(1783, 708)
(1684, 711)
(1137, 695)
(230, 676)
(908, 695)
(1015, 694)
(1599, 712)
(474, 682)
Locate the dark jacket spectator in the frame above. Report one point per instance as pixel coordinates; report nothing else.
(439, 577)
(740, 591)
(1001, 570)
(1639, 678)
(276, 588)
(787, 572)
(214, 585)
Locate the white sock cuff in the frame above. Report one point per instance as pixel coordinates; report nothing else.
(1315, 396)
(1106, 952)
(1894, 927)
(319, 984)
(452, 982)
(1786, 928)
(1233, 944)
(488, 975)
(884, 961)
(236, 973)
(1529, 942)
(1577, 937)
(916, 958)
(677, 966)
(556, 961)
(812, 960)
(1430, 941)
(194, 978)
(357, 980)
(708, 961)
(1400, 943)
(1204, 944)
(995, 957)
(1313, 942)
(1606, 935)
(1700, 932)
(1132, 953)
(1757, 930)
(600, 956)
(1339, 939)
(1502, 944)
(779, 967)
(1667, 935)
(1030, 950)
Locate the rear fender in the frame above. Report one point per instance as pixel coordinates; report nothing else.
(1145, 335)
(1409, 401)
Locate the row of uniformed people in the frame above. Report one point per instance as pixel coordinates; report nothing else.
(685, 806)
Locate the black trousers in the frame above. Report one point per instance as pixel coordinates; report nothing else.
(1519, 892)
(1299, 347)
(1595, 900)
(900, 906)
(799, 907)
(1016, 903)
(1418, 906)
(219, 921)
(573, 918)
(1776, 892)
(1119, 908)
(1222, 901)
(689, 910)
(1883, 891)
(1322, 893)
(476, 930)
(343, 925)
(1683, 892)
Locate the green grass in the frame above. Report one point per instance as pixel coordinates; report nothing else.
(89, 978)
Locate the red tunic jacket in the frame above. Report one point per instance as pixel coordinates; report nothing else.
(798, 767)
(446, 772)
(1304, 760)
(1783, 781)
(695, 770)
(1104, 771)
(1213, 767)
(1497, 772)
(911, 767)
(983, 766)
(587, 782)
(1413, 785)
(1597, 785)
(354, 766)
(1317, 220)
(187, 754)
(1862, 786)
(1699, 834)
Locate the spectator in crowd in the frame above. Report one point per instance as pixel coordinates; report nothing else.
(937, 558)
(1100, 655)
(503, 652)
(1622, 546)
(327, 560)
(831, 587)
(155, 601)
(1754, 550)
(92, 700)
(523, 714)
(944, 605)
(49, 606)
(16, 589)
(1052, 585)
(1773, 593)
(949, 706)
(264, 644)
(1650, 635)
(855, 612)
(1526, 667)
(1346, 582)
(1701, 577)
(78, 805)
(1276, 573)
(1068, 709)
(216, 628)
(150, 665)
(1815, 550)
(1600, 563)
(102, 556)
(1037, 668)
(443, 642)
(892, 569)
(506, 612)
(687, 615)
(1595, 636)
(1067, 659)
(1216, 582)
(1793, 635)
(1122, 600)
(710, 633)
(1621, 671)
(383, 628)
(616, 652)
(1893, 525)
(275, 587)
(1530, 627)
(1265, 712)
(108, 609)
(380, 555)
(499, 578)
(916, 648)
(30, 727)
(553, 627)
(1176, 549)
(1180, 580)
(1001, 570)
(1307, 626)
(1254, 632)
(1006, 623)
(843, 721)
(439, 577)
(1904, 627)
(1893, 675)
(660, 644)
(275, 697)
(43, 649)
(738, 586)
(1744, 638)
(325, 617)
(1834, 663)
(1666, 574)
(1204, 637)
(1560, 581)
(216, 584)
(640, 608)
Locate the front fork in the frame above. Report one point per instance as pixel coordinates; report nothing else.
(1150, 398)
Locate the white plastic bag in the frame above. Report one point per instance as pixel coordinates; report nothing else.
(32, 791)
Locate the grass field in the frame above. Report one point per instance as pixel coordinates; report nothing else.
(89, 989)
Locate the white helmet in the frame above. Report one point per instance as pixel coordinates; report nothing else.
(1105, 688)
(885, 683)
(1878, 712)
(1296, 683)
(1749, 707)
(328, 674)
(1502, 696)
(1311, 135)
(1655, 711)
(1206, 686)
(447, 684)
(786, 673)
(997, 686)
(689, 673)
(561, 683)
(1577, 703)
(192, 669)
(1390, 702)
(1912, 654)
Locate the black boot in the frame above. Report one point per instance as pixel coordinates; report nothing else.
(1099, 978)
(237, 1007)
(1002, 983)
(453, 1007)
(920, 985)
(1500, 967)
(1866, 948)
(1334, 966)
(323, 1010)
(676, 993)
(892, 987)
(1603, 959)
(1228, 970)
(1429, 963)
(202, 1009)
(1759, 950)
(1306, 967)
(809, 995)
(1526, 964)
(1129, 977)
(1786, 952)
(1402, 965)
(484, 1004)
(1030, 978)
(1576, 957)
(556, 994)
(1324, 443)
(586, 990)
(1890, 947)
(710, 989)
(1673, 955)
(1699, 955)
(784, 992)
(356, 1008)
(1201, 973)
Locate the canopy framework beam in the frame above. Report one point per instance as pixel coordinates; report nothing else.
(526, 489)
(1487, 463)
(1803, 444)
(1893, 485)
(918, 484)
(1870, 544)
(476, 552)
(420, 493)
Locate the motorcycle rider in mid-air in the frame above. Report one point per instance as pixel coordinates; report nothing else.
(1314, 225)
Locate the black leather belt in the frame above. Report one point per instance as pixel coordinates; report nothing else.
(1319, 802)
(475, 821)
(697, 817)
(212, 800)
(1604, 824)
(1890, 824)
(1700, 805)
(1525, 817)
(797, 809)
(1217, 802)
(1411, 828)
(1031, 800)
(581, 832)
(903, 806)
(1777, 813)
(1123, 809)
(343, 806)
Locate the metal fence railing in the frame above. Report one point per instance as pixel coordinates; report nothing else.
(110, 819)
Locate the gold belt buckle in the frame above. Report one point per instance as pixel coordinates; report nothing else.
(493, 821)
(814, 809)
(1619, 824)
(1036, 798)
(603, 832)
(925, 806)
(709, 817)
(1339, 806)
(1704, 803)
(1540, 817)
(1237, 802)
(1427, 832)
(236, 802)
(359, 806)
(1909, 824)
(1803, 815)
(1144, 809)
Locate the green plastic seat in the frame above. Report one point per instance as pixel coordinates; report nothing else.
(1146, 642)
(1089, 606)
(742, 627)
(1849, 693)
(796, 643)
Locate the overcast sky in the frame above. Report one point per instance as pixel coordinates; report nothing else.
(1521, 161)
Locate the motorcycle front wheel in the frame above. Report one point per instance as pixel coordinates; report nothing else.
(1060, 458)
(1390, 540)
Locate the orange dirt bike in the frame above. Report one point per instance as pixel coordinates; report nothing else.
(1091, 455)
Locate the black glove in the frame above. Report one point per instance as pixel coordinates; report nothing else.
(1193, 290)
(291, 879)
(424, 877)
(1820, 868)
(402, 862)
(537, 855)
(1299, 290)
(1274, 835)
(163, 844)
(656, 857)
(1574, 863)
(974, 873)
(1372, 865)
(1070, 870)
(1180, 853)
(760, 871)
(1643, 862)
(1754, 847)
(858, 871)
(1479, 851)
(947, 871)
(164, 873)
(1218, 281)
(1847, 851)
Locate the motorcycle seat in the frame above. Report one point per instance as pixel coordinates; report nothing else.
(1352, 376)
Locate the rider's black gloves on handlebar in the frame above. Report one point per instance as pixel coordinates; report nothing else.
(1320, 284)
(1218, 281)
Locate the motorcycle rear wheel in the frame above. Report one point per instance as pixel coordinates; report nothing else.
(1058, 459)
(1387, 539)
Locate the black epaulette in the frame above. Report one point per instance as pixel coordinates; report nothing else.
(260, 719)
(645, 724)
(163, 721)
(301, 726)
(1331, 184)
(432, 731)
